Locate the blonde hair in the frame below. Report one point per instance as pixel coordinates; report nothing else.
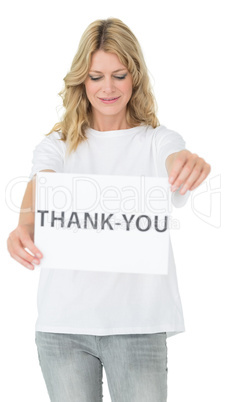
(113, 36)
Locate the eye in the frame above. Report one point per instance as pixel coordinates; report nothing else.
(122, 77)
(94, 78)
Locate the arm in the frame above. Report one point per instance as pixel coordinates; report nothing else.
(23, 236)
(186, 168)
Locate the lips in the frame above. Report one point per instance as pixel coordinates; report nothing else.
(109, 99)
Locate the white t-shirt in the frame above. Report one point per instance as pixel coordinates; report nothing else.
(108, 303)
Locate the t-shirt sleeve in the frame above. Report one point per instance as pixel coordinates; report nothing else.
(167, 142)
(48, 154)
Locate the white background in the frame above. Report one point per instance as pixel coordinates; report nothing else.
(184, 47)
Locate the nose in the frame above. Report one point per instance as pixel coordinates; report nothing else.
(108, 85)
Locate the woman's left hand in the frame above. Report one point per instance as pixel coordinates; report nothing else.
(187, 169)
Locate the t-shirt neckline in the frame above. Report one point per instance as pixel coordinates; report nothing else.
(112, 133)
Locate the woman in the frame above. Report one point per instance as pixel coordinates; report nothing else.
(87, 320)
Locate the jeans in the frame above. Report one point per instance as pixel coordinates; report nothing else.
(72, 366)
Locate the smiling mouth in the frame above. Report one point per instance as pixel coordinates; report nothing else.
(109, 99)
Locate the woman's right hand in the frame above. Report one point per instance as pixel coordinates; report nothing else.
(21, 237)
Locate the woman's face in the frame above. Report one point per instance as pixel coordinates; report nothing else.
(108, 85)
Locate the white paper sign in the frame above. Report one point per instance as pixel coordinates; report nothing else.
(104, 223)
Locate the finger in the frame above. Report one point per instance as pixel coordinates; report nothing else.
(199, 173)
(23, 262)
(23, 254)
(16, 249)
(28, 243)
(19, 254)
(177, 166)
(195, 174)
(202, 177)
(186, 171)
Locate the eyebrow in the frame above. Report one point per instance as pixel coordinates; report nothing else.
(100, 72)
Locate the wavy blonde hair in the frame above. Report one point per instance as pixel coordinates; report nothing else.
(110, 35)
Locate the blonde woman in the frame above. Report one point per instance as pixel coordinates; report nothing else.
(90, 320)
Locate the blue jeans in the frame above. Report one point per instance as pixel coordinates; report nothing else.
(72, 366)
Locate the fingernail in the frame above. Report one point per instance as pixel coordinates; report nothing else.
(35, 261)
(171, 180)
(174, 188)
(39, 255)
(183, 190)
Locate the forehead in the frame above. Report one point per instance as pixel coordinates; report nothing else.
(102, 62)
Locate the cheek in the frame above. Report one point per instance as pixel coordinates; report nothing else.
(128, 90)
(127, 87)
(90, 89)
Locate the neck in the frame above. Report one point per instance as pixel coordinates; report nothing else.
(109, 123)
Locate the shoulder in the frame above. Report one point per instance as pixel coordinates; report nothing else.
(163, 130)
(54, 136)
(159, 131)
(51, 143)
(163, 135)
